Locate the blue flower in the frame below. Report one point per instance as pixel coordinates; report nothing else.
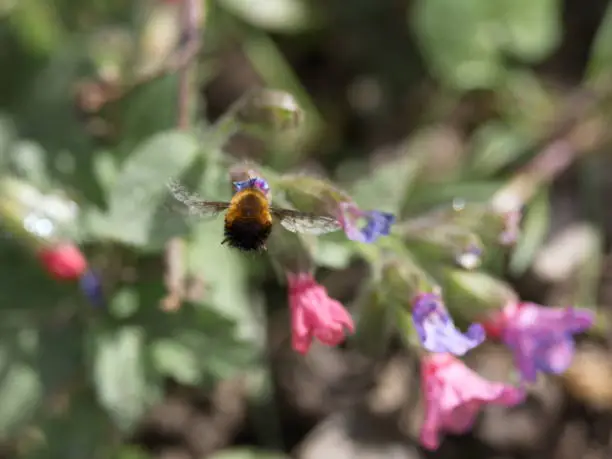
(436, 330)
(255, 182)
(91, 286)
(374, 223)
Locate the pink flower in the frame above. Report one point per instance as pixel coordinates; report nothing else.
(314, 314)
(541, 338)
(454, 395)
(64, 261)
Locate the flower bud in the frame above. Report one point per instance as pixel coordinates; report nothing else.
(91, 286)
(63, 262)
(265, 112)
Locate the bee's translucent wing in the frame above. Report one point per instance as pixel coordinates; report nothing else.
(194, 205)
(303, 222)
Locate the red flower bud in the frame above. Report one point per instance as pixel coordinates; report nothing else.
(63, 262)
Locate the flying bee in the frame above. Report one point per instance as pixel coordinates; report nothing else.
(249, 217)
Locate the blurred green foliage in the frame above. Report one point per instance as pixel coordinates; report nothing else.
(75, 381)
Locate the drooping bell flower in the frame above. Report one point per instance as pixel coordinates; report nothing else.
(540, 338)
(314, 314)
(454, 395)
(364, 226)
(436, 330)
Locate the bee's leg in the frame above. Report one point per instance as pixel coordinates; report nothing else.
(224, 241)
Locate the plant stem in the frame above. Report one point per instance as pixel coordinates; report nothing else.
(190, 21)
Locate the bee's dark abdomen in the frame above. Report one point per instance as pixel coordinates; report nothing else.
(247, 234)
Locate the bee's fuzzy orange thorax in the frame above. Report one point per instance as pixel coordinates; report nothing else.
(249, 204)
(248, 221)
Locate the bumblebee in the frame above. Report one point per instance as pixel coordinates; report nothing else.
(249, 217)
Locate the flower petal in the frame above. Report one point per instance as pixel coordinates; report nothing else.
(436, 330)
(541, 337)
(377, 223)
(522, 352)
(555, 358)
(314, 314)
(454, 395)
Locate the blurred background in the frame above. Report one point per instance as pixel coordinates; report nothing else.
(164, 344)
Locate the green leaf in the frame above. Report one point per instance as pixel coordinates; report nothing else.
(600, 63)
(124, 303)
(7, 137)
(405, 326)
(25, 271)
(387, 186)
(141, 187)
(224, 271)
(120, 375)
(20, 395)
(465, 41)
(429, 195)
(38, 25)
(332, 254)
(247, 453)
(106, 170)
(132, 452)
(174, 359)
(46, 114)
(374, 323)
(148, 110)
(457, 40)
(274, 15)
(29, 161)
(60, 357)
(80, 429)
(472, 293)
(205, 339)
(533, 29)
(536, 223)
(495, 146)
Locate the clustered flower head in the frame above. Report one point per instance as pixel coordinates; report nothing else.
(540, 338)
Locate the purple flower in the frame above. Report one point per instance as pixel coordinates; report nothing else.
(255, 182)
(91, 286)
(436, 330)
(374, 223)
(541, 338)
